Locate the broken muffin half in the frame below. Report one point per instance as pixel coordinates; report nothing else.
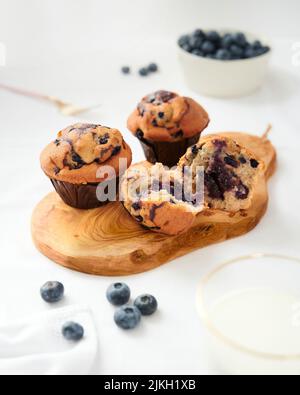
(215, 174)
(160, 199)
(230, 172)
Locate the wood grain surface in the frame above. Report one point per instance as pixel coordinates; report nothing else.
(107, 241)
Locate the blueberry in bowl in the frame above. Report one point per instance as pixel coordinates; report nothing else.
(224, 63)
(211, 42)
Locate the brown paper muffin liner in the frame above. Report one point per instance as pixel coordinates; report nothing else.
(81, 196)
(165, 152)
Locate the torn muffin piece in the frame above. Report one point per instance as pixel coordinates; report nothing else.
(230, 172)
(159, 199)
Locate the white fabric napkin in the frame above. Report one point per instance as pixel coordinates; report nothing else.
(36, 346)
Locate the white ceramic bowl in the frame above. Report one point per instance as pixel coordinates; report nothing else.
(225, 79)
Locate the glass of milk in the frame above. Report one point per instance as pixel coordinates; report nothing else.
(250, 307)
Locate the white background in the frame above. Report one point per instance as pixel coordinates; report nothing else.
(74, 49)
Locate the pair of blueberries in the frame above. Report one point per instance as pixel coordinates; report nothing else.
(53, 292)
(128, 317)
(219, 46)
(144, 71)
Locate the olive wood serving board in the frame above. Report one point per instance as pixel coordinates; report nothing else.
(107, 241)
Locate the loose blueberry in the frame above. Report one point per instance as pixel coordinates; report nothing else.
(223, 54)
(73, 331)
(52, 292)
(147, 304)
(208, 47)
(143, 72)
(152, 68)
(127, 317)
(118, 294)
(125, 70)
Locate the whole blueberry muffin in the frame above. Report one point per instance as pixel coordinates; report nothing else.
(76, 163)
(166, 125)
(230, 172)
(155, 198)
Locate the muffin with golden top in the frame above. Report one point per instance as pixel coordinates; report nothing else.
(84, 164)
(167, 125)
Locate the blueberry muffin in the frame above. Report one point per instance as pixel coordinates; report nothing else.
(77, 164)
(155, 198)
(230, 172)
(166, 125)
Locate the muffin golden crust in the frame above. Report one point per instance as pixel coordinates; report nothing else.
(81, 150)
(156, 205)
(230, 172)
(167, 117)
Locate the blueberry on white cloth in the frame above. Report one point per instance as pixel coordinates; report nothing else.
(35, 346)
